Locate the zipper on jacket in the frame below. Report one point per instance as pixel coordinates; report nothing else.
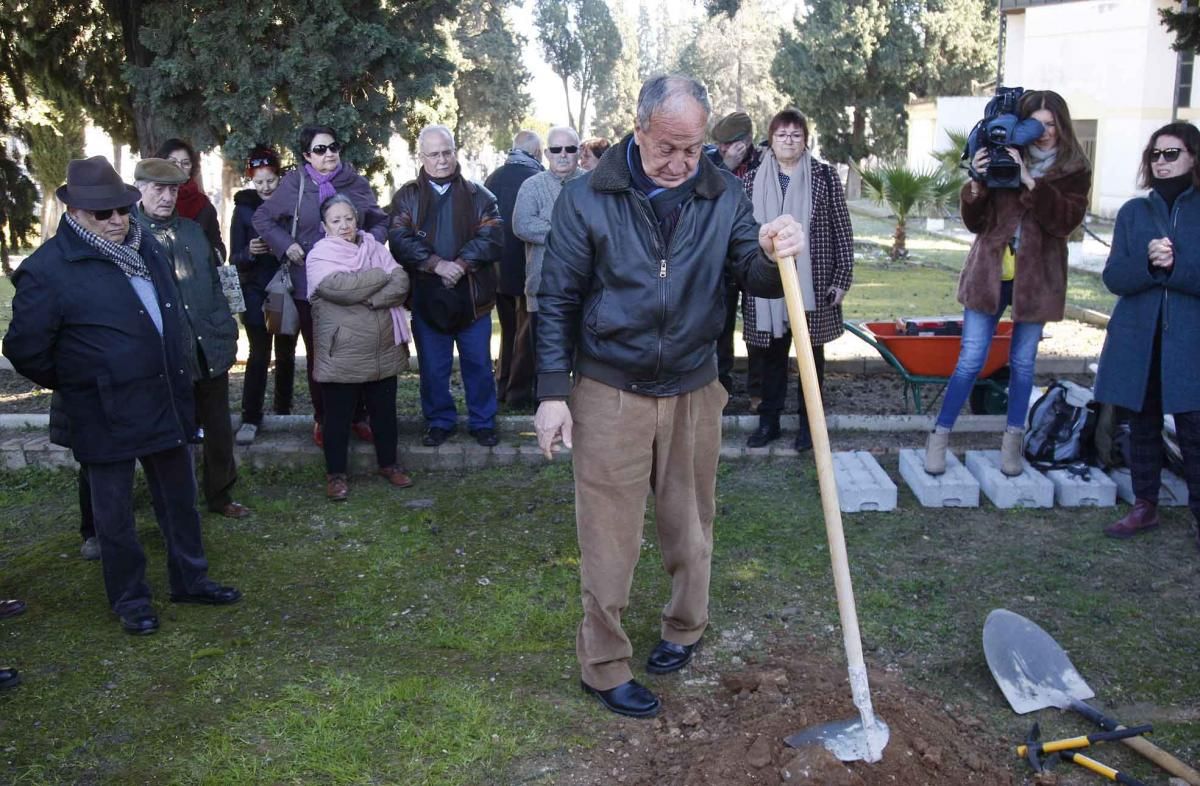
(660, 245)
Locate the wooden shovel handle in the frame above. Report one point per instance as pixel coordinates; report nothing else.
(1140, 744)
(824, 460)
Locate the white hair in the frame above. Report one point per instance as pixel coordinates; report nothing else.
(435, 128)
(562, 130)
(665, 92)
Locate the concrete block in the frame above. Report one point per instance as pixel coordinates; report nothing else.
(1172, 494)
(861, 483)
(504, 454)
(1030, 489)
(12, 459)
(1071, 491)
(419, 456)
(732, 451)
(955, 488)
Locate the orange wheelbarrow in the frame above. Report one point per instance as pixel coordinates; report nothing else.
(924, 359)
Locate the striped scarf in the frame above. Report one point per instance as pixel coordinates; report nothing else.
(125, 255)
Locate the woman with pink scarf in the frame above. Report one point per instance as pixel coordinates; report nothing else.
(360, 338)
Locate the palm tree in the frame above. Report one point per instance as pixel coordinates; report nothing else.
(906, 191)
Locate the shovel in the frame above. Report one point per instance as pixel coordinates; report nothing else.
(1034, 673)
(865, 737)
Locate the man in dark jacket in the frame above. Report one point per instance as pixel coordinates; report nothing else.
(208, 323)
(447, 234)
(514, 373)
(96, 318)
(632, 301)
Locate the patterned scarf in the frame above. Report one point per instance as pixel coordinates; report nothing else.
(125, 255)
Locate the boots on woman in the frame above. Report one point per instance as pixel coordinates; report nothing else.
(1011, 448)
(767, 431)
(935, 451)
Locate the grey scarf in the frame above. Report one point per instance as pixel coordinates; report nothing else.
(124, 255)
(769, 203)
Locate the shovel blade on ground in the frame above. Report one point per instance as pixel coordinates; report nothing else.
(1029, 666)
(846, 739)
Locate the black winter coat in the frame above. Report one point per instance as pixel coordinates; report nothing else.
(255, 271)
(620, 307)
(78, 328)
(505, 182)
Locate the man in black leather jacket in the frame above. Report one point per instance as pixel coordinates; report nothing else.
(632, 302)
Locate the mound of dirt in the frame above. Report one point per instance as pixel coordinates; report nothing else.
(731, 733)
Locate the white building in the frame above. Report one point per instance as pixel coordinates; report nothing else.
(1113, 63)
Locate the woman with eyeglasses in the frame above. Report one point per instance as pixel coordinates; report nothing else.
(1148, 365)
(193, 203)
(290, 224)
(256, 267)
(1018, 259)
(790, 180)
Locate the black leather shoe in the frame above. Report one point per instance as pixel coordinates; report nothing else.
(765, 434)
(435, 436)
(669, 656)
(803, 440)
(486, 437)
(140, 622)
(628, 698)
(212, 595)
(9, 678)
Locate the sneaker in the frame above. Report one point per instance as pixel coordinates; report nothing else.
(90, 550)
(245, 434)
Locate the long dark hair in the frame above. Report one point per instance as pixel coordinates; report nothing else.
(1070, 155)
(171, 145)
(1188, 134)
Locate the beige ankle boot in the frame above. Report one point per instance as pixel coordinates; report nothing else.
(935, 451)
(1011, 448)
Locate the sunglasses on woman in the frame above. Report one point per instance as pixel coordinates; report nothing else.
(104, 215)
(332, 147)
(1168, 154)
(560, 148)
(255, 163)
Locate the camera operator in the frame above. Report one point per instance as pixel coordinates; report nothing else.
(1019, 258)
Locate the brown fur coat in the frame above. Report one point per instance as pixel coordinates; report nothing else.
(1047, 215)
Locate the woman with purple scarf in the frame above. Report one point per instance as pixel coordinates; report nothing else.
(290, 223)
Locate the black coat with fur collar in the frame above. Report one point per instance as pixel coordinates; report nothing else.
(618, 306)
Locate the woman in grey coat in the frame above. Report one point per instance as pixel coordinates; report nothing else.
(1149, 358)
(361, 338)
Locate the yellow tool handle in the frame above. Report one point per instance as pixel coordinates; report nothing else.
(1093, 765)
(1058, 745)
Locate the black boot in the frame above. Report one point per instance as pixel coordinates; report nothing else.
(767, 431)
(803, 436)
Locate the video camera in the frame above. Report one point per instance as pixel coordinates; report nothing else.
(1000, 128)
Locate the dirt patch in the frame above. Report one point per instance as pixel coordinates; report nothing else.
(728, 729)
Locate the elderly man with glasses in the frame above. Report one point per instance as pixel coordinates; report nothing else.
(96, 318)
(447, 233)
(535, 204)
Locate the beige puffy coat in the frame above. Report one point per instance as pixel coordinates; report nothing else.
(352, 326)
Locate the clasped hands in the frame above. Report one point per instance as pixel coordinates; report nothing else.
(449, 271)
(1161, 252)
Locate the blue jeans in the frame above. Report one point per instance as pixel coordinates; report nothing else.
(435, 354)
(978, 329)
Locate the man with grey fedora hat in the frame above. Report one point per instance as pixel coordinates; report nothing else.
(207, 321)
(96, 319)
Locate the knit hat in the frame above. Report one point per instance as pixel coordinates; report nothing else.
(732, 127)
(159, 170)
(93, 184)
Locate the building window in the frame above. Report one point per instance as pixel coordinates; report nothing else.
(1183, 98)
(1085, 132)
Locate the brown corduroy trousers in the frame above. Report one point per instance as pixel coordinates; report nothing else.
(625, 446)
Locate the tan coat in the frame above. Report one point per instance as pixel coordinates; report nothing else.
(1047, 216)
(352, 326)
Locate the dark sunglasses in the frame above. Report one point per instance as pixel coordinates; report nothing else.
(560, 148)
(104, 215)
(332, 147)
(1167, 154)
(255, 163)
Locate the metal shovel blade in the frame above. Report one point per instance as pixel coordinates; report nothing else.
(845, 739)
(1029, 666)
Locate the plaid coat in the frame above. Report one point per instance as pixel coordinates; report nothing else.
(832, 250)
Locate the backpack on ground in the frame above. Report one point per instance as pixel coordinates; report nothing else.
(1112, 436)
(1061, 426)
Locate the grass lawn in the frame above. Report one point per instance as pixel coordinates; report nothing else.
(427, 636)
